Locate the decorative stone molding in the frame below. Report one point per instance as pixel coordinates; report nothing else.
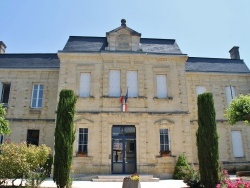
(84, 121)
(164, 122)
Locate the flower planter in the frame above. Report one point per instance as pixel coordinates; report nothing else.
(165, 154)
(131, 184)
(81, 155)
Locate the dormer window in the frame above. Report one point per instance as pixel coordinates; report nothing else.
(123, 38)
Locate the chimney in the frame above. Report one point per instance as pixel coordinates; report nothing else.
(234, 53)
(2, 47)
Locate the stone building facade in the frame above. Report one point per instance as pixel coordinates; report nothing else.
(136, 97)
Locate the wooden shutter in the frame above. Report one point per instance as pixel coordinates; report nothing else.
(200, 90)
(132, 83)
(161, 86)
(114, 83)
(85, 85)
(237, 144)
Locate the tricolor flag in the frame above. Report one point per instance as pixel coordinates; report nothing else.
(126, 96)
(123, 101)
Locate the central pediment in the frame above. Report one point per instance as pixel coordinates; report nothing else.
(123, 38)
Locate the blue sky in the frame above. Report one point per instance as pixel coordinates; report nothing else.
(201, 28)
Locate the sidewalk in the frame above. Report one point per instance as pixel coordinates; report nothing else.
(89, 184)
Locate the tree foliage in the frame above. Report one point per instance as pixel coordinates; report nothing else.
(21, 161)
(207, 141)
(64, 138)
(239, 110)
(181, 168)
(4, 124)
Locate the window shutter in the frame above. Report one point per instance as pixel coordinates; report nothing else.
(230, 94)
(132, 84)
(161, 86)
(237, 144)
(114, 83)
(1, 91)
(200, 90)
(85, 85)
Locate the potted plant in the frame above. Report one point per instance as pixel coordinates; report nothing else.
(81, 154)
(165, 153)
(131, 182)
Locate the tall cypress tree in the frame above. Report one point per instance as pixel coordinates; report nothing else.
(207, 141)
(64, 138)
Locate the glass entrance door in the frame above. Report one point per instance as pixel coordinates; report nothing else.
(123, 150)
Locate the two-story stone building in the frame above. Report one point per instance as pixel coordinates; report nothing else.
(136, 97)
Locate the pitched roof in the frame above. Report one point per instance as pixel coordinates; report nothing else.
(29, 61)
(97, 44)
(200, 64)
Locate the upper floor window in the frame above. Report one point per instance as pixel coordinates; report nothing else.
(230, 94)
(114, 83)
(83, 140)
(4, 93)
(132, 83)
(161, 81)
(237, 144)
(37, 96)
(85, 85)
(200, 90)
(164, 140)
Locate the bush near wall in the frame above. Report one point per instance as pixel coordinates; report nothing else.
(21, 161)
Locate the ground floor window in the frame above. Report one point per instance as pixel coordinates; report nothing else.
(33, 137)
(164, 140)
(237, 143)
(83, 141)
(1, 139)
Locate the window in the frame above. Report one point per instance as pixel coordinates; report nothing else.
(83, 140)
(33, 137)
(132, 83)
(200, 90)
(37, 96)
(161, 86)
(114, 83)
(237, 144)
(230, 93)
(85, 85)
(4, 93)
(1, 139)
(164, 140)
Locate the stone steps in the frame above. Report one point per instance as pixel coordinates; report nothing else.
(119, 178)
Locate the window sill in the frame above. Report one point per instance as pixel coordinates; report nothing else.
(111, 97)
(90, 97)
(163, 99)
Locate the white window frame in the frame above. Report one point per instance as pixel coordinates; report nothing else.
(38, 96)
(81, 145)
(132, 83)
(161, 86)
(114, 83)
(200, 90)
(237, 143)
(165, 140)
(85, 81)
(230, 94)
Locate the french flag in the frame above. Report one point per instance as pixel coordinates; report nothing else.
(123, 101)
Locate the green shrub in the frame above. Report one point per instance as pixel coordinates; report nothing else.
(192, 178)
(20, 160)
(181, 167)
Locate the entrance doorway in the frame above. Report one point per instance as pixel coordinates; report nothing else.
(123, 149)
